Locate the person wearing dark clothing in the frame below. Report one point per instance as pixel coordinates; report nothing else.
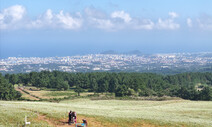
(70, 117)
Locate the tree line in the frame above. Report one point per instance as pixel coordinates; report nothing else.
(183, 85)
(7, 91)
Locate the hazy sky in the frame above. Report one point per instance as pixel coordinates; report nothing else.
(70, 27)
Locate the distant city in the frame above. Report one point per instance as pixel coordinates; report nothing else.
(156, 63)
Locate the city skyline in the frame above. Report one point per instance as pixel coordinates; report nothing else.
(155, 63)
(72, 27)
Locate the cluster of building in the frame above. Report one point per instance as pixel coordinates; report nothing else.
(105, 62)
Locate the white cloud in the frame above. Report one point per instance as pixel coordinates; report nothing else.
(169, 23)
(93, 12)
(45, 20)
(2, 24)
(173, 14)
(11, 16)
(49, 15)
(143, 24)
(110, 23)
(205, 25)
(205, 22)
(189, 22)
(68, 22)
(122, 15)
(15, 12)
(60, 20)
(105, 24)
(14, 17)
(97, 19)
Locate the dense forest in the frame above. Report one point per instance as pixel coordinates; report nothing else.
(7, 91)
(193, 86)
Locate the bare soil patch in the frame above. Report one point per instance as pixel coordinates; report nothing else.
(92, 122)
(25, 95)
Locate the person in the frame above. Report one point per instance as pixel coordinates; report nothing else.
(74, 115)
(70, 117)
(85, 122)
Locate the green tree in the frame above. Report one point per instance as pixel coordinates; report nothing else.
(7, 91)
(94, 85)
(64, 85)
(121, 91)
(79, 90)
(131, 92)
(206, 94)
(13, 79)
(113, 85)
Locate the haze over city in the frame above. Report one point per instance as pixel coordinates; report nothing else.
(79, 27)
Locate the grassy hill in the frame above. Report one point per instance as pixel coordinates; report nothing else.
(108, 113)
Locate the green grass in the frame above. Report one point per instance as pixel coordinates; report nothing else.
(60, 93)
(13, 115)
(49, 94)
(169, 113)
(191, 112)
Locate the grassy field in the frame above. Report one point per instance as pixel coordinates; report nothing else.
(33, 93)
(109, 113)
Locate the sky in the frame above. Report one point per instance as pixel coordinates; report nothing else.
(38, 28)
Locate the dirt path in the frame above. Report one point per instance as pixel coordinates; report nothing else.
(28, 96)
(92, 122)
(64, 123)
(54, 123)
